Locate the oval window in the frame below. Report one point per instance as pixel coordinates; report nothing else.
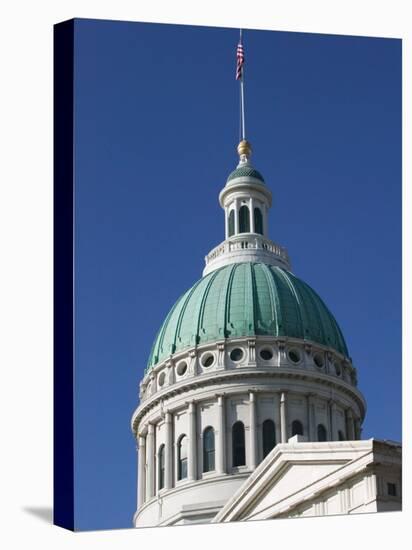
(318, 360)
(181, 368)
(294, 355)
(236, 354)
(208, 359)
(266, 354)
(161, 379)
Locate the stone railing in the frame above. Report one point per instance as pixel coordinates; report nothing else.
(248, 242)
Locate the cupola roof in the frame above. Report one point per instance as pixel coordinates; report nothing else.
(245, 170)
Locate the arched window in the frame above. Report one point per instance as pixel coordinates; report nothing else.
(341, 437)
(208, 449)
(244, 221)
(258, 221)
(231, 223)
(268, 436)
(321, 432)
(161, 466)
(182, 457)
(297, 428)
(238, 444)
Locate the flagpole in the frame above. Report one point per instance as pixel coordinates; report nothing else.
(242, 96)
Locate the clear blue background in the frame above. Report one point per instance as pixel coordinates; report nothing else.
(157, 123)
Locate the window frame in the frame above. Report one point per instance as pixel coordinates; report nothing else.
(265, 446)
(209, 455)
(238, 445)
(182, 472)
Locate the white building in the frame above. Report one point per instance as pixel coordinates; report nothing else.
(249, 407)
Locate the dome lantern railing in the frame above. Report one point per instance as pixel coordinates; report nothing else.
(247, 247)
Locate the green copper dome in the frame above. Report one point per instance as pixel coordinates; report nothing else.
(246, 299)
(243, 171)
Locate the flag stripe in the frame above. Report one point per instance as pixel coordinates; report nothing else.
(240, 59)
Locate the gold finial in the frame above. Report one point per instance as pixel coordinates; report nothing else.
(244, 149)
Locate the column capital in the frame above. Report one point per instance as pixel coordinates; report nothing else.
(283, 395)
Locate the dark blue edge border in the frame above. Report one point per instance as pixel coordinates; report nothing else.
(63, 354)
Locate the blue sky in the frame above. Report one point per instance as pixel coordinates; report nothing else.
(156, 126)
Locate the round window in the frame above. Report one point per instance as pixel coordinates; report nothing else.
(161, 379)
(266, 354)
(208, 359)
(236, 354)
(181, 368)
(294, 355)
(318, 360)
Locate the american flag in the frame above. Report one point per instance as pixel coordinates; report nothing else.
(240, 57)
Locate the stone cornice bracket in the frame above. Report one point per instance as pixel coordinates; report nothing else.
(170, 372)
(281, 345)
(252, 351)
(308, 349)
(192, 366)
(221, 353)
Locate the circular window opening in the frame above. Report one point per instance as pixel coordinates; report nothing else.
(266, 354)
(181, 368)
(161, 379)
(208, 360)
(236, 354)
(318, 360)
(338, 370)
(294, 355)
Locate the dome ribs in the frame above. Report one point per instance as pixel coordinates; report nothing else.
(202, 305)
(246, 299)
(289, 304)
(273, 301)
(313, 326)
(250, 301)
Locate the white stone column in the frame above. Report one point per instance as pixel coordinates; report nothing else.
(221, 436)
(349, 425)
(236, 216)
(168, 451)
(310, 420)
(283, 418)
(332, 413)
(252, 431)
(141, 471)
(358, 429)
(265, 221)
(150, 462)
(226, 223)
(252, 215)
(192, 451)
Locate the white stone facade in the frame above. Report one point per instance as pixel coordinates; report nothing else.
(300, 479)
(251, 390)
